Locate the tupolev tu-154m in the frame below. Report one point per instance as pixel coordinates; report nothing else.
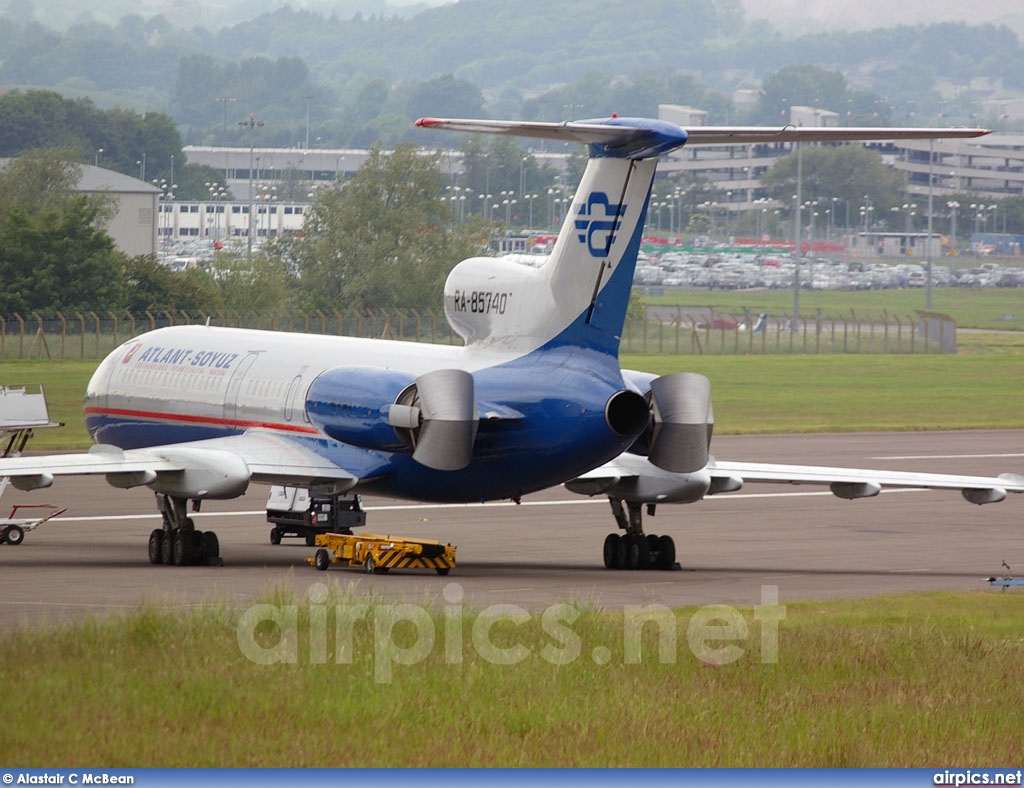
(534, 398)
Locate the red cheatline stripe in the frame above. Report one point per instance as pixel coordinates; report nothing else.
(182, 418)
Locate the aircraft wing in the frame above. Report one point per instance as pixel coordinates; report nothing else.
(635, 478)
(569, 131)
(619, 130)
(735, 135)
(215, 468)
(861, 482)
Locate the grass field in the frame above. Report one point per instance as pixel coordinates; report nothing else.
(897, 681)
(991, 308)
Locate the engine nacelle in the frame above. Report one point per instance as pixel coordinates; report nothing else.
(434, 415)
(352, 404)
(681, 423)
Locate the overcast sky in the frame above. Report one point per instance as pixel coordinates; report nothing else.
(789, 16)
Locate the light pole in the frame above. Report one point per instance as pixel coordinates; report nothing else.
(166, 196)
(796, 259)
(728, 212)
(308, 98)
(508, 202)
(928, 242)
(531, 198)
(952, 205)
(252, 124)
(217, 194)
(225, 100)
(96, 159)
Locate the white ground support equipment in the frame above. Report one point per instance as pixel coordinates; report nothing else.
(22, 410)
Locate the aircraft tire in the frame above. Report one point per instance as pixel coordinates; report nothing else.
(15, 534)
(275, 536)
(156, 546)
(666, 553)
(622, 553)
(321, 559)
(652, 543)
(167, 547)
(632, 552)
(643, 552)
(611, 551)
(183, 550)
(211, 545)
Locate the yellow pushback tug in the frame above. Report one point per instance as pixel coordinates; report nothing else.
(378, 554)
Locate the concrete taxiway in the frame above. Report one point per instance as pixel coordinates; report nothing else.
(800, 539)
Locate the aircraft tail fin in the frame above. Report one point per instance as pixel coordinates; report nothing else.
(580, 294)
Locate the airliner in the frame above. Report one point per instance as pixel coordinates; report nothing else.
(534, 398)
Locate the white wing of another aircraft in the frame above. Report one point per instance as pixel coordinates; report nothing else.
(535, 396)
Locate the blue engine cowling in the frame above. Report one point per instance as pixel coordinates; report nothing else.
(351, 404)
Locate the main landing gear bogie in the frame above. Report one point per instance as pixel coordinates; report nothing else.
(634, 549)
(179, 542)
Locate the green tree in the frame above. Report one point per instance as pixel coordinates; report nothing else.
(153, 287)
(245, 284)
(59, 260)
(40, 119)
(443, 96)
(38, 181)
(851, 173)
(799, 85)
(383, 241)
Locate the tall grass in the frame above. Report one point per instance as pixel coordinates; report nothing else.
(897, 681)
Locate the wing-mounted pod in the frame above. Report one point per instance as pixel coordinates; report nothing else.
(983, 495)
(206, 473)
(681, 422)
(853, 490)
(434, 415)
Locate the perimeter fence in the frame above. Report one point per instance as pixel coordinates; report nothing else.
(695, 331)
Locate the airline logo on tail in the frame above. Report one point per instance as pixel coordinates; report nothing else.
(599, 221)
